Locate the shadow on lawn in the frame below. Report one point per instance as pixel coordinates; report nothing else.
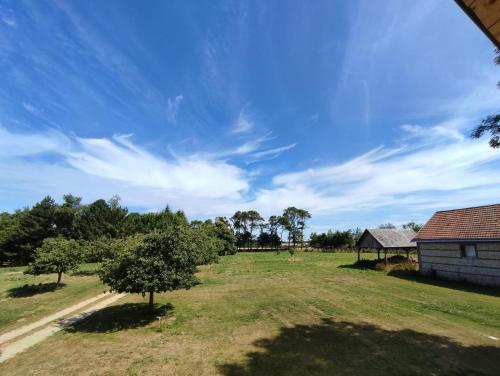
(83, 273)
(30, 290)
(120, 317)
(455, 285)
(344, 348)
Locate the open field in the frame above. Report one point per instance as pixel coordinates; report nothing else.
(264, 314)
(26, 298)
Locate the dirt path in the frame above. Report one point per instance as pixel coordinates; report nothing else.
(12, 349)
(28, 328)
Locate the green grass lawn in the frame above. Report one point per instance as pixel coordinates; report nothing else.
(264, 314)
(25, 298)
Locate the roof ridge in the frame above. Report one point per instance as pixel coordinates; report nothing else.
(469, 207)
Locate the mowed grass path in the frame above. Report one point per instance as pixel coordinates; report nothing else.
(264, 314)
(26, 298)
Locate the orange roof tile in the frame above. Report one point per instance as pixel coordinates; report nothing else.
(481, 222)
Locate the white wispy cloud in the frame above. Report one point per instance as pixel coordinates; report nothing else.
(273, 152)
(437, 169)
(451, 171)
(116, 165)
(9, 22)
(173, 107)
(33, 143)
(244, 123)
(30, 108)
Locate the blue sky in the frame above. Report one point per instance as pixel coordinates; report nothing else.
(358, 111)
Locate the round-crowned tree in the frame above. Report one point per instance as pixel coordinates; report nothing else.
(56, 255)
(162, 261)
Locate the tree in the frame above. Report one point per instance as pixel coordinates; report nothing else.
(356, 234)
(162, 261)
(491, 124)
(101, 218)
(240, 225)
(223, 231)
(332, 240)
(387, 225)
(274, 225)
(244, 222)
(208, 246)
(34, 226)
(135, 223)
(65, 215)
(9, 232)
(56, 255)
(284, 225)
(295, 223)
(254, 221)
(303, 216)
(414, 226)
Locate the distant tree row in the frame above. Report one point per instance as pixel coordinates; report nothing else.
(270, 233)
(410, 225)
(334, 239)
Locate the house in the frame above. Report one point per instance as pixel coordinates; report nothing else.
(462, 244)
(387, 239)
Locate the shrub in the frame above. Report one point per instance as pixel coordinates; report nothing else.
(397, 259)
(405, 268)
(380, 266)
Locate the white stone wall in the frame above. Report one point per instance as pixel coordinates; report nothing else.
(444, 260)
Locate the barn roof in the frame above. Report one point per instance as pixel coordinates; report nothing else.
(392, 238)
(477, 223)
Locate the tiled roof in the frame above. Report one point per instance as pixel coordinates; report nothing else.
(481, 222)
(392, 238)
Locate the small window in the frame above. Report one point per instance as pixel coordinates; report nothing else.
(469, 250)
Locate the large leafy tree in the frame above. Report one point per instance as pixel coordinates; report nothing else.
(254, 221)
(295, 220)
(56, 255)
(490, 124)
(241, 224)
(34, 226)
(65, 215)
(101, 218)
(413, 225)
(162, 261)
(223, 231)
(9, 232)
(136, 223)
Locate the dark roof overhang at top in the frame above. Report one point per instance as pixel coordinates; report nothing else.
(486, 15)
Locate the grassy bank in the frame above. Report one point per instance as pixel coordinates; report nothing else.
(267, 314)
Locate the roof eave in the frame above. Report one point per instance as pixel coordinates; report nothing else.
(458, 240)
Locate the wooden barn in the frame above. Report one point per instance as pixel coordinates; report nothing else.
(386, 240)
(462, 244)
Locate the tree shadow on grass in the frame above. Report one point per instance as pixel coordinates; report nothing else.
(455, 285)
(345, 348)
(30, 290)
(83, 273)
(120, 317)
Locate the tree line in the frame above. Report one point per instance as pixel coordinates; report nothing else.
(292, 223)
(100, 227)
(97, 228)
